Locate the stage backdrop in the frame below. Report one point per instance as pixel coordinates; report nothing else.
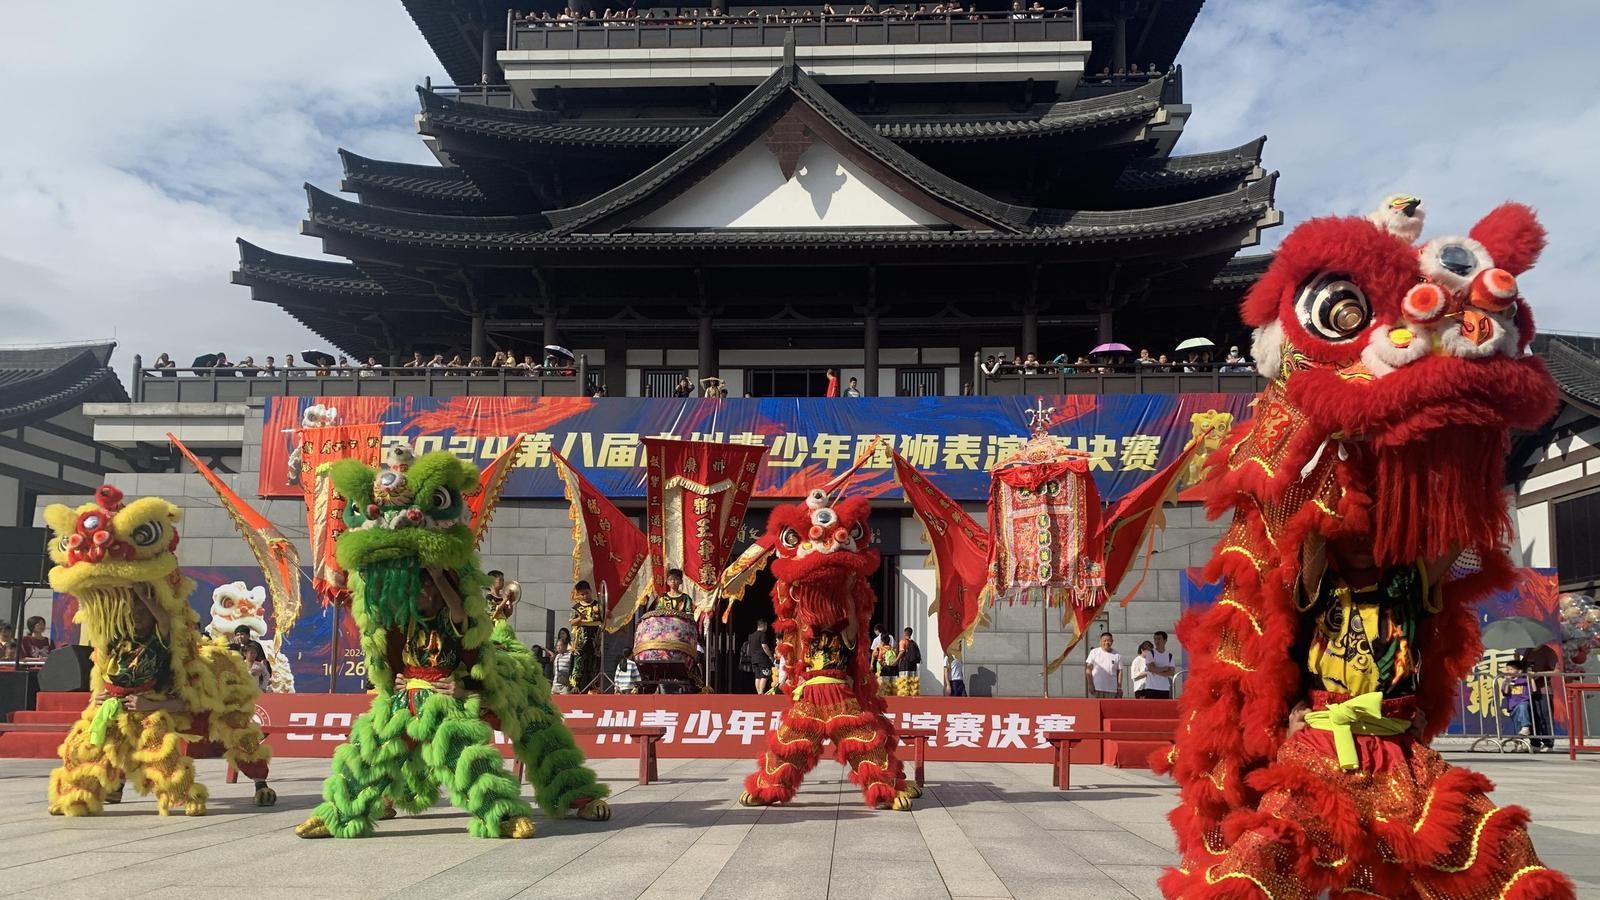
(1534, 596)
(954, 439)
(309, 647)
(732, 726)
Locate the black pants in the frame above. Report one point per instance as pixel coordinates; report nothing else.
(1149, 694)
(958, 688)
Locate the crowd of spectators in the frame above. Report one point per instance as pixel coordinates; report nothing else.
(632, 15)
(999, 365)
(326, 366)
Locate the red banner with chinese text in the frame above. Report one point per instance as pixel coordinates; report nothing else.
(695, 498)
(608, 550)
(960, 553)
(734, 726)
(319, 449)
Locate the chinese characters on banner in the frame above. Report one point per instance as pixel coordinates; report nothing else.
(955, 440)
(319, 448)
(697, 494)
(733, 726)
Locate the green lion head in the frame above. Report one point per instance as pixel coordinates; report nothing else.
(408, 516)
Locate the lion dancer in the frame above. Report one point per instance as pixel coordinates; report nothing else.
(821, 599)
(155, 684)
(1368, 517)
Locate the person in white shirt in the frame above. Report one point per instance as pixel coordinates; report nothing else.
(1103, 669)
(954, 677)
(1158, 671)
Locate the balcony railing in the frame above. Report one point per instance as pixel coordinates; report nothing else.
(1208, 378)
(769, 29)
(496, 95)
(239, 385)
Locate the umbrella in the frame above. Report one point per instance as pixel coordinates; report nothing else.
(1516, 633)
(1112, 348)
(1196, 344)
(557, 348)
(316, 358)
(204, 361)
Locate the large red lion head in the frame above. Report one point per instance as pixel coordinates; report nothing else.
(822, 540)
(1412, 363)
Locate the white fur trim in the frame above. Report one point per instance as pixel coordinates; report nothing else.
(1266, 347)
(1504, 341)
(1382, 356)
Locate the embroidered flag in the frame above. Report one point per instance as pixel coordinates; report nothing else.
(608, 550)
(482, 500)
(319, 449)
(696, 493)
(960, 554)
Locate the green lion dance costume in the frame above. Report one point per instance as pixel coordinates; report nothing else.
(442, 683)
(155, 682)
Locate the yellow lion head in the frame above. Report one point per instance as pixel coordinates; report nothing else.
(106, 551)
(1212, 428)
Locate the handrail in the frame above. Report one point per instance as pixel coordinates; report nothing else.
(1125, 378)
(769, 28)
(235, 385)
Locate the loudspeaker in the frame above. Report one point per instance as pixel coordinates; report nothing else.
(23, 559)
(17, 690)
(66, 669)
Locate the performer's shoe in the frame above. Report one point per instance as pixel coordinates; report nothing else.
(313, 827)
(902, 802)
(749, 799)
(116, 795)
(517, 828)
(265, 796)
(596, 810)
(194, 808)
(388, 810)
(913, 790)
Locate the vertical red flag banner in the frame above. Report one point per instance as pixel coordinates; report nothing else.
(482, 500)
(1132, 522)
(1044, 512)
(608, 550)
(960, 554)
(696, 493)
(319, 449)
(274, 553)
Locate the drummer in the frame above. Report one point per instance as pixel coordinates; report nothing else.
(674, 600)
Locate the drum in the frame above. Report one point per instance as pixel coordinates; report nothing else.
(664, 644)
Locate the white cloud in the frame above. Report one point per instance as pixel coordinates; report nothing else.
(145, 136)
(1466, 103)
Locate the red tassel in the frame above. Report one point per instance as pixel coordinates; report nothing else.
(1432, 497)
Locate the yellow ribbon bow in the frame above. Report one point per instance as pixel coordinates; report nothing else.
(818, 679)
(1358, 715)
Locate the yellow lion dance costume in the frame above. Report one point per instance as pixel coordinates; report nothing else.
(155, 683)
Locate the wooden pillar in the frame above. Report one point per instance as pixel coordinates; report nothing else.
(707, 345)
(869, 373)
(1119, 45)
(550, 336)
(486, 56)
(1030, 329)
(1105, 327)
(480, 338)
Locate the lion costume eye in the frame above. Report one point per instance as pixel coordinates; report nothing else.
(442, 498)
(790, 538)
(147, 534)
(1333, 308)
(1451, 262)
(857, 532)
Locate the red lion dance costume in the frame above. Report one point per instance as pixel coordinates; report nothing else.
(1368, 516)
(821, 600)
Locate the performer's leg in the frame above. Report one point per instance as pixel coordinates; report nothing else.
(158, 754)
(460, 751)
(81, 784)
(554, 764)
(865, 743)
(353, 796)
(792, 751)
(242, 745)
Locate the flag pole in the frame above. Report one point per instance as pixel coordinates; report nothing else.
(1044, 616)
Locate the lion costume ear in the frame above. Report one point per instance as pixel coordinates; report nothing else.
(60, 518)
(352, 479)
(1512, 235)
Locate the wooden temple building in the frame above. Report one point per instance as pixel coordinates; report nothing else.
(760, 197)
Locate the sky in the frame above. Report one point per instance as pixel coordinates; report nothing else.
(146, 137)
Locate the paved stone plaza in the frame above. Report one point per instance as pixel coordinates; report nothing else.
(980, 831)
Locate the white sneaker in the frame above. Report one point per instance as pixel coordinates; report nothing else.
(1524, 731)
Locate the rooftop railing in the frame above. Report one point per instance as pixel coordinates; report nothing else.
(496, 95)
(1093, 378)
(769, 28)
(237, 385)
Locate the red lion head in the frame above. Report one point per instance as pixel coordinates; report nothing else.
(822, 552)
(1409, 363)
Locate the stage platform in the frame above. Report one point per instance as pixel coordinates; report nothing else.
(983, 830)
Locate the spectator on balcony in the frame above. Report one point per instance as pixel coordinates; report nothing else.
(416, 361)
(437, 362)
(851, 390)
(529, 365)
(1163, 363)
(368, 368)
(1235, 361)
(1030, 364)
(868, 12)
(289, 366)
(1036, 10)
(475, 366)
(247, 367)
(343, 367)
(1017, 12)
(164, 366)
(684, 388)
(990, 365)
(498, 361)
(1152, 71)
(270, 370)
(833, 384)
(599, 391)
(1145, 359)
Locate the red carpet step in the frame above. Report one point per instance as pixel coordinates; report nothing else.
(45, 717)
(1135, 715)
(61, 701)
(30, 744)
